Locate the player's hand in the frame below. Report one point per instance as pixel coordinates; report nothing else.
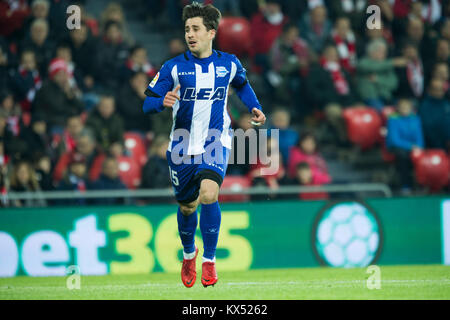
(171, 97)
(258, 118)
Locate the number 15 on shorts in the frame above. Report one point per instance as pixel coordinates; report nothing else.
(173, 177)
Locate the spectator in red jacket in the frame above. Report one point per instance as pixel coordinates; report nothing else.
(306, 151)
(12, 16)
(266, 27)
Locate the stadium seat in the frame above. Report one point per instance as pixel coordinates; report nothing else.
(234, 35)
(136, 146)
(236, 183)
(129, 172)
(363, 126)
(431, 168)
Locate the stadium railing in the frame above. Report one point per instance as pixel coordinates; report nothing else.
(355, 189)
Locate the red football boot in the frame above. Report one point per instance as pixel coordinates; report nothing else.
(188, 272)
(209, 274)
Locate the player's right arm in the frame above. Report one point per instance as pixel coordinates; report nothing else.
(160, 93)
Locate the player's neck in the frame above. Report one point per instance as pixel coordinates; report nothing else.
(204, 54)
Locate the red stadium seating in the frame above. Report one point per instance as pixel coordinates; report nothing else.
(235, 183)
(431, 168)
(363, 126)
(129, 172)
(136, 146)
(234, 35)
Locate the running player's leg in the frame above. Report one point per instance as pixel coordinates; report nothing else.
(187, 218)
(210, 218)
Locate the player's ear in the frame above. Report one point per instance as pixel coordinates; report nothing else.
(212, 33)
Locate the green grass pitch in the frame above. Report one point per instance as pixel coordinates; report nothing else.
(397, 282)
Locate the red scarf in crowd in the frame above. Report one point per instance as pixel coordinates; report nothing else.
(26, 102)
(347, 51)
(147, 68)
(414, 73)
(340, 83)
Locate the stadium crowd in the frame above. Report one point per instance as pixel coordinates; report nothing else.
(70, 100)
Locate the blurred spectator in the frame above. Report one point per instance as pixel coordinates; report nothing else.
(4, 65)
(355, 10)
(281, 120)
(66, 142)
(177, 46)
(441, 71)
(376, 75)
(86, 146)
(39, 42)
(43, 168)
(403, 137)
(306, 151)
(105, 123)
(74, 179)
(268, 170)
(26, 80)
(36, 139)
(56, 99)
(315, 27)
(12, 16)
(39, 10)
(12, 147)
(12, 112)
(64, 52)
(306, 176)
(83, 48)
(443, 51)
(411, 76)
(111, 54)
(328, 83)
(129, 98)
(345, 41)
(290, 59)
(240, 157)
(383, 33)
(155, 173)
(108, 180)
(137, 61)
(23, 179)
(114, 13)
(434, 111)
(266, 26)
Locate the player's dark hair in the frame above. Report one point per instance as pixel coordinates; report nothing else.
(210, 14)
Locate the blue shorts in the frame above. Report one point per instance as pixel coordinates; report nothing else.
(187, 176)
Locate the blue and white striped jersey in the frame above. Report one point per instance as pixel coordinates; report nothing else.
(203, 96)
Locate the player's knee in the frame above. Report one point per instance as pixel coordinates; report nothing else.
(208, 196)
(188, 209)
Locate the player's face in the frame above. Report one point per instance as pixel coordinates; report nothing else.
(198, 38)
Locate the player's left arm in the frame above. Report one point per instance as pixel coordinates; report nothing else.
(246, 93)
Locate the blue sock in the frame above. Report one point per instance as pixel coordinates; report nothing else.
(209, 226)
(186, 228)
